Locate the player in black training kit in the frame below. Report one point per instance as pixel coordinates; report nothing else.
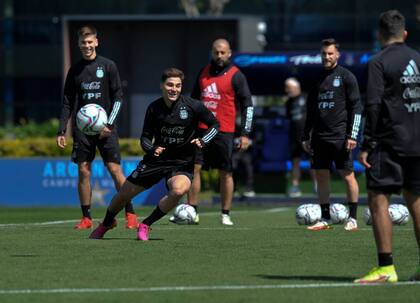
(331, 129)
(169, 139)
(94, 79)
(391, 142)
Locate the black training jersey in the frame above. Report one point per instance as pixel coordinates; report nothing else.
(173, 128)
(334, 107)
(94, 81)
(393, 100)
(296, 110)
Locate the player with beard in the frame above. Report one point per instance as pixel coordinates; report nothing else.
(222, 88)
(331, 130)
(391, 150)
(169, 139)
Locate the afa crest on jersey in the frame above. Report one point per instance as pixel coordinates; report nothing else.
(183, 114)
(336, 82)
(100, 72)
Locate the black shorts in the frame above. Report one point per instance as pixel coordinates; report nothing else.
(218, 154)
(390, 172)
(148, 174)
(84, 147)
(326, 153)
(295, 141)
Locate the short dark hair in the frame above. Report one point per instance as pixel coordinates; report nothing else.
(172, 72)
(330, 41)
(391, 24)
(86, 30)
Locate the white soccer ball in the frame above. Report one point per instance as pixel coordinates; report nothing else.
(339, 213)
(399, 214)
(307, 214)
(367, 216)
(91, 119)
(185, 214)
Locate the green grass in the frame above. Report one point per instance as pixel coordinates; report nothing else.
(265, 248)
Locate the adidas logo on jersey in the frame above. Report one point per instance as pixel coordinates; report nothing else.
(411, 74)
(211, 92)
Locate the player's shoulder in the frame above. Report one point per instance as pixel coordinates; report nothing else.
(346, 73)
(189, 101)
(105, 61)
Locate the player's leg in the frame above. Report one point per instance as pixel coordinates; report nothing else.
(294, 190)
(247, 161)
(85, 194)
(226, 195)
(178, 186)
(352, 192)
(127, 192)
(382, 231)
(383, 178)
(194, 192)
(321, 163)
(110, 151)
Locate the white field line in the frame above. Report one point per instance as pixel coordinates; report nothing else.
(279, 209)
(197, 288)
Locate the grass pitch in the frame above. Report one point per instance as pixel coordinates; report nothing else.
(265, 257)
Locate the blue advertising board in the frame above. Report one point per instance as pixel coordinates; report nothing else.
(53, 182)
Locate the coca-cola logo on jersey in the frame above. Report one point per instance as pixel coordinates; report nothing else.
(91, 85)
(178, 130)
(411, 93)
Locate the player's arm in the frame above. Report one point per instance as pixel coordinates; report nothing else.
(243, 98)
(148, 134)
(207, 117)
(116, 96)
(354, 110)
(311, 104)
(375, 90)
(69, 100)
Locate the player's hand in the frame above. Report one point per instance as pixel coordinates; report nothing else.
(61, 141)
(243, 143)
(105, 132)
(363, 155)
(351, 144)
(306, 145)
(197, 142)
(158, 151)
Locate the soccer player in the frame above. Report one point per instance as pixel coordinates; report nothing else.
(169, 139)
(296, 113)
(221, 86)
(390, 149)
(94, 79)
(331, 131)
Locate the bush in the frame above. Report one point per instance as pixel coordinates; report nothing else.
(30, 129)
(46, 147)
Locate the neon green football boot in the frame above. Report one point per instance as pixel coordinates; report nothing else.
(382, 274)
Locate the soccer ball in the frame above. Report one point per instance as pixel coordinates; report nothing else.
(184, 214)
(399, 214)
(338, 213)
(91, 119)
(366, 216)
(308, 214)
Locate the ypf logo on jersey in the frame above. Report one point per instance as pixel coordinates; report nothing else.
(183, 114)
(411, 73)
(100, 72)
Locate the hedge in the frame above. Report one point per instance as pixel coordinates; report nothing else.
(46, 147)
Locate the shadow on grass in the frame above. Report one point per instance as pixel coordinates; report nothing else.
(304, 278)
